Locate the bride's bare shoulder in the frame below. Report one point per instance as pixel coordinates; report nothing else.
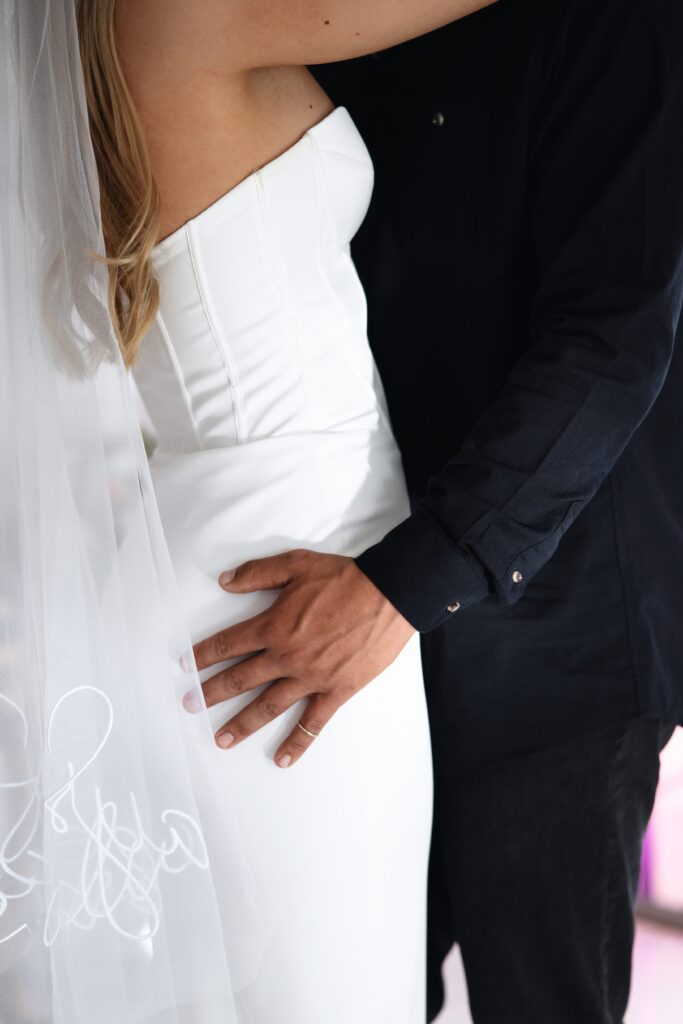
(260, 33)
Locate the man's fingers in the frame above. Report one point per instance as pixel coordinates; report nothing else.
(260, 574)
(240, 678)
(312, 722)
(235, 642)
(269, 705)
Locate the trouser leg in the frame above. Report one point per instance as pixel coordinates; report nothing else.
(535, 868)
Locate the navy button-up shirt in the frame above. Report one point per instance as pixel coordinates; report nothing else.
(523, 259)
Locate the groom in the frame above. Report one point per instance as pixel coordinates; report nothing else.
(523, 259)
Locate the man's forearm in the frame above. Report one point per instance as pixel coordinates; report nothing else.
(608, 234)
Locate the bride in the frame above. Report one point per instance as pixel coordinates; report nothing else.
(230, 190)
(230, 193)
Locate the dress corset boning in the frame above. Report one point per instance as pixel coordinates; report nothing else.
(262, 323)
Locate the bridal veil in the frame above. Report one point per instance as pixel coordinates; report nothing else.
(113, 843)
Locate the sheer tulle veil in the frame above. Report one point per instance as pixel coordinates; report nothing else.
(113, 844)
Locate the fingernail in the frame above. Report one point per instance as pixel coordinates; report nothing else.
(226, 577)
(285, 761)
(191, 702)
(225, 740)
(186, 662)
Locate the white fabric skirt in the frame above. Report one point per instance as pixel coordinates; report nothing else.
(339, 842)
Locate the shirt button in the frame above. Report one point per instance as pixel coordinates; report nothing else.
(453, 607)
(517, 576)
(438, 119)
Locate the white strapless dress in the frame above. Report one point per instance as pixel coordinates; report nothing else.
(273, 434)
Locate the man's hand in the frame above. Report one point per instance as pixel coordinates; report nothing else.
(328, 634)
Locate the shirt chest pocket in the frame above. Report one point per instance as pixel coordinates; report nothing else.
(439, 183)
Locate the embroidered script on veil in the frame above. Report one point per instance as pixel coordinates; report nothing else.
(113, 865)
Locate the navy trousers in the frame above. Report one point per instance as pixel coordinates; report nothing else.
(534, 872)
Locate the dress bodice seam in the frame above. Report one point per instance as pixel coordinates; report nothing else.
(292, 319)
(178, 374)
(220, 341)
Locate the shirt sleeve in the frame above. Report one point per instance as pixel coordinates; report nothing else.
(606, 224)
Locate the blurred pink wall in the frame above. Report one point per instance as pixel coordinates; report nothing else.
(663, 861)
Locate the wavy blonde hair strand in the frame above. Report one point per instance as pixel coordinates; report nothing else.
(129, 198)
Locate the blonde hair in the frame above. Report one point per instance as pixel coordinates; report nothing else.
(128, 195)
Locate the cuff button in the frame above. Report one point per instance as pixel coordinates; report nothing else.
(453, 607)
(517, 576)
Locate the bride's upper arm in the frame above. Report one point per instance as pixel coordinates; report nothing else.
(317, 31)
(242, 34)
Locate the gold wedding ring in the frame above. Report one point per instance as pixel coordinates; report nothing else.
(313, 735)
